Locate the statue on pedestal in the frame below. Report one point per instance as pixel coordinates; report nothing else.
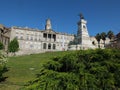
(81, 16)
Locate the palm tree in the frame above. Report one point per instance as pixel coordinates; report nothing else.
(98, 37)
(103, 37)
(110, 34)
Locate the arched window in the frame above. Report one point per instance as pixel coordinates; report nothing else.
(44, 45)
(54, 46)
(49, 46)
(84, 26)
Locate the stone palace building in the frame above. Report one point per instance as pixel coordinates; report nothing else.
(37, 41)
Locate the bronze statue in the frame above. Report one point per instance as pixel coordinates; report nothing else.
(81, 16)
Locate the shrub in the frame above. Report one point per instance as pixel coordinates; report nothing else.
(13, 46)
(82, 70)
(3, 68)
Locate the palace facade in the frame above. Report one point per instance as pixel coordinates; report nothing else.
(36, 41)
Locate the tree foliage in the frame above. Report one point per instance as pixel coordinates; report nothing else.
(103, 37)
(13, 46)
(1, 46)
(75, 41)
(3, 67)
(81, 70)
(110, 34)
(98, 37)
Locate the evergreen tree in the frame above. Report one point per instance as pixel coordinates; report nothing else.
(13, 46)
(1, 46)
(82, 70)
(3, 68)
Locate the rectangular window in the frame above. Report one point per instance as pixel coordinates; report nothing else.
(49, 35)
(54, 46)
(27, 38)
(44, 35)
(44, 45)
(21, 37)
(16, 36)
(31, 38)
(31, 46)
(17, 33)
(35, 39)
(54, 37)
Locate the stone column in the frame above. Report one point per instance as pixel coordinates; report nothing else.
(46, 46)
(47, 36)
(52, 37)
(41, 46)
(51, 46)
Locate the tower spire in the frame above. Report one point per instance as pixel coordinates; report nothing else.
(48, 24)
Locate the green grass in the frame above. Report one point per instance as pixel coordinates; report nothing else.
(24, 68)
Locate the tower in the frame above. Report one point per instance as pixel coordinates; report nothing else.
(82, 33)
(48, 25)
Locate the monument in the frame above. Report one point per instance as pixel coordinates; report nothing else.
(83, 38)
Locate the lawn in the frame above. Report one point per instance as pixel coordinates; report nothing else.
(22, 69)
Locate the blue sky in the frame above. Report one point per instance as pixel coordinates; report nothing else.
(101, 15)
